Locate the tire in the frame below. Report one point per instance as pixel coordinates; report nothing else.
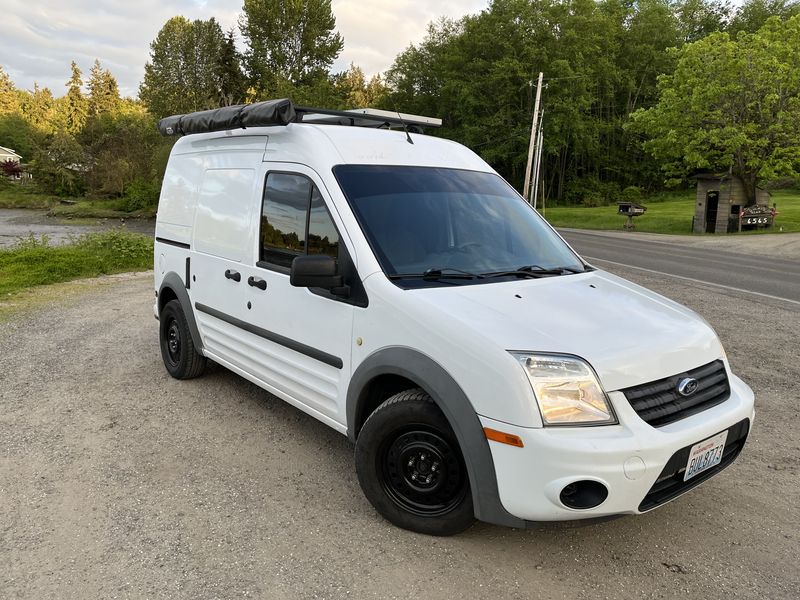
(177, 347)
(410, 466)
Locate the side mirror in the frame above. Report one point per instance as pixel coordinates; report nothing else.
(316, 271)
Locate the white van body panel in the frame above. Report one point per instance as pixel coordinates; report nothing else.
(209, 226)
(595, 316)
(224, 213)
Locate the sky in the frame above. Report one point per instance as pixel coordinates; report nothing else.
(39, 38)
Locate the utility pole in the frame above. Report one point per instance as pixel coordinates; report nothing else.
(534, 124)
(538, 160)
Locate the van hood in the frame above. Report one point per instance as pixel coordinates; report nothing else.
(629, 334)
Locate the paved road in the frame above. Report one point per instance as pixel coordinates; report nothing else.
(761, 275)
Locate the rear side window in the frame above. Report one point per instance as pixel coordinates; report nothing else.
(295, 220)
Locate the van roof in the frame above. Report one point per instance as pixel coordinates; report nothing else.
(321, 146)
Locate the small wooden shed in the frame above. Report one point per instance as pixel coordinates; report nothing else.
(720, 201)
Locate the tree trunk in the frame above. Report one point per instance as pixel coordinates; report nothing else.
(749, 181)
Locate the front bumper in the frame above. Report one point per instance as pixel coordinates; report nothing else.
(628, 459)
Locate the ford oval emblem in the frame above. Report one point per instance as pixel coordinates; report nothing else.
(687, 386)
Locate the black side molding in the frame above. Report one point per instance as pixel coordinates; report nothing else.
(328, 359)
(173, 243)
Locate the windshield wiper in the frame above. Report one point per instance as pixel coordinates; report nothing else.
(435, 273)
(536, 271)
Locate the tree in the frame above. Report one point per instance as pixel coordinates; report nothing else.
(191, 68)
(123, 148)
(288, 42)
(357, 92)
(59, 164)
(37, 107)
(600, 60)
(231, 82)
(103, 90)
(731, 105)
(753, 14)
(16, 132)
(9, 100)
(699, 18)
(76, 105)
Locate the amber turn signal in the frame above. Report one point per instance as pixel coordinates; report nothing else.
(503, 438)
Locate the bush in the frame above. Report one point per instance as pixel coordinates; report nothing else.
(593, 200)
(141, 193)
(33, 261)
(631, 194)
(122, 249)
(591, 192)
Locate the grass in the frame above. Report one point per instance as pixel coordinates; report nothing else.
(34, 262)
(99, 209)
(668, 213)
(23, 196)
(15, 195)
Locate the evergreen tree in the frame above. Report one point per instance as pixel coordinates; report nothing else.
(103, 91)
(9, 99)
(37, 107)
(231, 81)
(76, 106)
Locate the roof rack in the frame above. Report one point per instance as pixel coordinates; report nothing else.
(364, 117)
(283, 112)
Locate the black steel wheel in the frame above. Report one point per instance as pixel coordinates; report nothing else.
(173, 342)
(411, 468)
(177, 347)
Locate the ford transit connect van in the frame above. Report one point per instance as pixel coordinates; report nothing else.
(393, 286)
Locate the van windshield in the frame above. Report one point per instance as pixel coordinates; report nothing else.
(449, 225)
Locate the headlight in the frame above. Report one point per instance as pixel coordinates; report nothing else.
(566, 389)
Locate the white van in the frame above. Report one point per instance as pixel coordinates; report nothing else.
(393, 286)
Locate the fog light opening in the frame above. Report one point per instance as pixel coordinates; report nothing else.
(584, 494)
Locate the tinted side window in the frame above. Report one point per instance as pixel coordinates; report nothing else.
(283, 218)
(295, 221)
(322, 235)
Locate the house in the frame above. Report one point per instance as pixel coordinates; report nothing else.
(721, 200)
(9, 154)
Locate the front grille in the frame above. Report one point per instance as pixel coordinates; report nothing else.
(659, 402)
(671, 484)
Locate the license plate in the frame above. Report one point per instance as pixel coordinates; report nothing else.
(704, 455)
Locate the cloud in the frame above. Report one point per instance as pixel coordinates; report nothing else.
(39, 38)
(375, 31)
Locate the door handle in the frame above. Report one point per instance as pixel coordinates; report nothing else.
(259, 283)
(232, 275)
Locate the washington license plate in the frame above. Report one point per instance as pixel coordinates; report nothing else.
(705, 455)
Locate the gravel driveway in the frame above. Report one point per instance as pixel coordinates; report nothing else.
(119, 482)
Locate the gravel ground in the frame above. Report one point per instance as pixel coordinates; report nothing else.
(119, 482)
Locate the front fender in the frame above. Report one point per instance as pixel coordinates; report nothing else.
(455, 405)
